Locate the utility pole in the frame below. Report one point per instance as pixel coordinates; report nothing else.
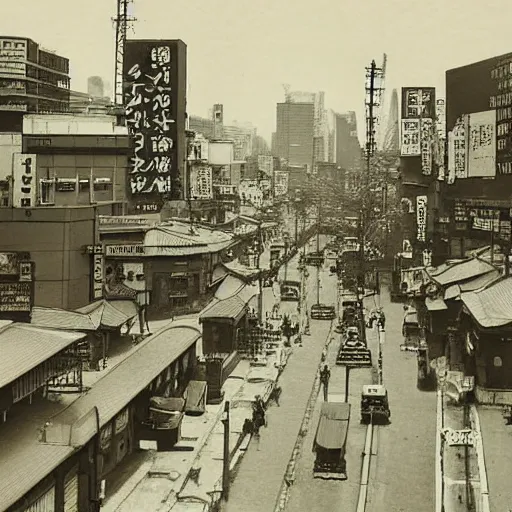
(260, 278)
(225, 459)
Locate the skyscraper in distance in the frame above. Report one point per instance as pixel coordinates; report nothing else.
(391, 142)
(295, 133)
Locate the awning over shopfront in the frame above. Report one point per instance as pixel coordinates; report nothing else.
(459, 271)
(491, 306)
(435, 304)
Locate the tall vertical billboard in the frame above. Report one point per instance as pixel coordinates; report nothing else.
(418, 121)
(154, 88)
(478, 125)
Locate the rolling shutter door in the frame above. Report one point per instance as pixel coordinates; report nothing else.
(46, 503)
(71, 492)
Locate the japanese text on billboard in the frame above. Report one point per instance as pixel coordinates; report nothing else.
(150, 118)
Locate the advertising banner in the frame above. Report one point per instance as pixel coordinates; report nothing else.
(418, 102)
(280, 183)
(97, 276)
(410, 144)
(457, 162)
(150, 85)
(421, 218)
(427, 133)
(16, 297)
(24, 192)
(441, 119)
(482, 145)
(201, 182)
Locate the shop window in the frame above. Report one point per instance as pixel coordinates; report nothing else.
(498, 363)
(47, 191)
(178, 287)
(121, 421)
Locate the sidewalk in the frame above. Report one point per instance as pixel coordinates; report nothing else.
(497, 444)
(454, 466)
(258, 480)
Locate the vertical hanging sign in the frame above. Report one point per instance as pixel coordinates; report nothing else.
(421, 218)
(24, 180)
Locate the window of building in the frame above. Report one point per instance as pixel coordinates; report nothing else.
(47, 191)
(178, 287)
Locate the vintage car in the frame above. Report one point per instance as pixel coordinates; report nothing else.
(375, 405)
(353, 351)
(410, 331)
(330, 441)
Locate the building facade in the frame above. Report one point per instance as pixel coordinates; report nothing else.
(295, 133)
(32, 79)
(477, 194)
(58, 177)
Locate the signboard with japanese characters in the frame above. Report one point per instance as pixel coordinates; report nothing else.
(151, 111)
(280, 183)
(457, 161)
(410, 143)
(427, 139)
(201, 182)
(481, 152)
(98, 266)
(421, 218)
(418, 102)
(24, 180)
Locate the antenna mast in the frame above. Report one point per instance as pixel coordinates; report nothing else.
(123, 21)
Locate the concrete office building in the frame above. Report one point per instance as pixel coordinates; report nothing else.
(295, 133)
(32, 79)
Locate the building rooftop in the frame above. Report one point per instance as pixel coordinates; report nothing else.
(23, 347)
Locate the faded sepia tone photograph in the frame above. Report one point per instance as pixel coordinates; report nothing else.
(255, 256)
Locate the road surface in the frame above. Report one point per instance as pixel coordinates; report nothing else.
(402, 477)
(311, 494)
(258, 480)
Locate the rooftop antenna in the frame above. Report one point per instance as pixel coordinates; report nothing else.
(123, 21)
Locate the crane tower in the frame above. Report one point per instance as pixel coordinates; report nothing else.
(123, 22)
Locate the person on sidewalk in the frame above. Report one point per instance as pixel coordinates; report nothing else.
(325, 375)
(276, 394)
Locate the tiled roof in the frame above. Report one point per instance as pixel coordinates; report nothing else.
(61, 319)
(491, 306)
(175, 239)
(23, 347)
(109, 313)
(460, 271)
(123, 383)
(455, 290)
(229, 287)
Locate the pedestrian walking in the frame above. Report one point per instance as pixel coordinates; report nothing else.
(325, 375)
(276, 394)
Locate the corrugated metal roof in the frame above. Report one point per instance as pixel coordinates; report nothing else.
(460, 271)
(23, 347)
(61, 319)
(333, 425)
(24, 460)
(481, 281)
(491, 306)
(230, 308)
(124, 382)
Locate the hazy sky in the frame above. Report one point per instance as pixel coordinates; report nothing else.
(240, 52)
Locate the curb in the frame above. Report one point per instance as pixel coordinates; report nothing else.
(439, 473)
(289, 476)
(482, 470)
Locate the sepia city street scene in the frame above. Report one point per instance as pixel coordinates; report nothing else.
(255, 256)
